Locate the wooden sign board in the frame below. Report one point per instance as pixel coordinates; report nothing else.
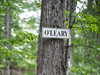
(55, 33)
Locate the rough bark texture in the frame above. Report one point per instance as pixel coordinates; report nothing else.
(51, 51)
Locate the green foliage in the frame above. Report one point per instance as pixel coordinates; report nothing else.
(86, 49)
(67, 12)
(24, 45)
(23, 52)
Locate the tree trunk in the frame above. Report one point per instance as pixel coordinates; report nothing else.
(8, 21)
(69, 57)
(69, 61)
(51, 51)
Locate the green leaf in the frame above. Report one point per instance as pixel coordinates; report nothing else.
(65, 22)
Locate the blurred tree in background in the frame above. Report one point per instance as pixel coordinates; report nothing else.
(18, 47)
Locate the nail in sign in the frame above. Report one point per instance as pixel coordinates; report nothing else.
(55, 33)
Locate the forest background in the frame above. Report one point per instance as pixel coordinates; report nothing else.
(19, 37)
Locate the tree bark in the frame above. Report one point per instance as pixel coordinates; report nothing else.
(8, 22)
(51, 51)
(69, 60)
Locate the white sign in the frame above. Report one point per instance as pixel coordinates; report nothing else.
(55, 33)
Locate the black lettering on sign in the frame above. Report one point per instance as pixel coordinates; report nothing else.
(54, 32)
(51, 32)
(62, 33)
(46, 32)
(59, 33)
(65, 33)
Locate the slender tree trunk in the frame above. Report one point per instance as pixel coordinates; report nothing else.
(8, 22)
(70, 7)
(69, 57)
(51, 51)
